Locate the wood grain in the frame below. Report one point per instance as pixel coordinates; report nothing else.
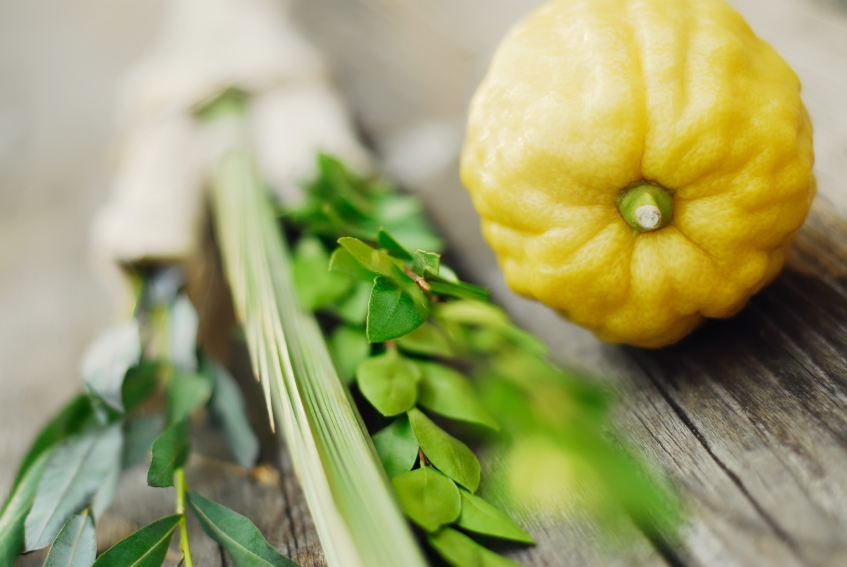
(747, 416)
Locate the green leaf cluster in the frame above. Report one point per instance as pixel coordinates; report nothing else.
(429, 332)
(70, 475)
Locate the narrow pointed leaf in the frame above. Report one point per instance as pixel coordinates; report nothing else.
(139, 435)
(229, 412)
(426, 339)
(461, 551)
(16, 509)
(145, 548)
(392, 312)
(183, 334)
(106, 493)
(237, 534)
(480, 517)
(428, 497)
(170, 451)
(76, 471)
(76, 544)
(107, 359)
(392, 247)
(349, 347)
(188, 392)
(389, 382)
(448, 393)
(448, 454)
(74, 417)
(140, 383)
(426, 262)
(397, 446)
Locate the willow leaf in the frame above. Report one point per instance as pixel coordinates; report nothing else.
(448, 454)
(16, 509)
(139, 435)
(74, 417)
(76, 544)
(183, 334)
(170, 451)
(107, 359)
(75, 473)
(229, 412)
(188, 392)
(237, 534)
(145, 548)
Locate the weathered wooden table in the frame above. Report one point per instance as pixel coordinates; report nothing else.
(748, 417)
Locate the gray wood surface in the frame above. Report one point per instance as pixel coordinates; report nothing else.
(747, 416)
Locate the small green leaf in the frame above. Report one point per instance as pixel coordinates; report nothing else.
(392, 247)
(139, 385)
(107, 359)
(375, 261)
(73, 418)
(17, 507)
(343, 262)
(480, 517)
(397, 446)
(139, 435)
(145, 548)
(389, 382)
(170, 451)
(448, 393)
(426, 262)
(349, 347)
(76, 544)
(391, 312)
(76, 471)
(183, 334)
(228, 411)
(428, 497)
(427, 339)
(188, 392)
(316, 285)
(354, 308)
(461, 551)
(448, 454)
(237, 534)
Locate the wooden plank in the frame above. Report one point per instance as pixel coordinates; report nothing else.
(747, 415)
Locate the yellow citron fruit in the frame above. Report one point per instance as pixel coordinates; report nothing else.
(593, 111)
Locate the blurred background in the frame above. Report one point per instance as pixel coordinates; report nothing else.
(406, 68)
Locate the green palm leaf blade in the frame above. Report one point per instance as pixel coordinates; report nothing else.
(356, 515)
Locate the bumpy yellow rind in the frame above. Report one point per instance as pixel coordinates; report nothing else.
(584, 98)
